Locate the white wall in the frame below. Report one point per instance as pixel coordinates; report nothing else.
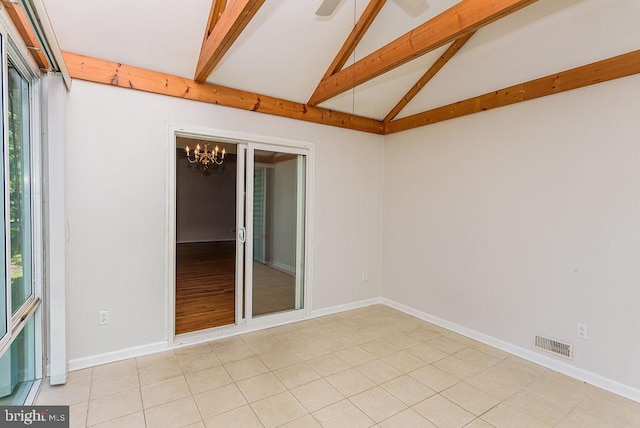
(524, 220)
(117, 212)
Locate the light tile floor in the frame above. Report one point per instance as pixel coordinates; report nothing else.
(368, 367)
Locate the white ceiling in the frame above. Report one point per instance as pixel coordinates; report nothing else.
(285, 50)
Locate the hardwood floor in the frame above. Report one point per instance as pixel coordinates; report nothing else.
(205, 287)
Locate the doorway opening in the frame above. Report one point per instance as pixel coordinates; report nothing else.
(205, 270)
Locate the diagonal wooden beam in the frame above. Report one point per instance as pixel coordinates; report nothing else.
(233, 20)
(217, 8)
(597, 72)
(457, 21)
(433, 70)
(361, 27)
(125, 76)
(19, 18)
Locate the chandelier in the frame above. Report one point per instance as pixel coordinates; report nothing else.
(204, 157)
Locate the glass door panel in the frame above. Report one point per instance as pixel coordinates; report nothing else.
(277, 272)
(19, 189)
(206, 236)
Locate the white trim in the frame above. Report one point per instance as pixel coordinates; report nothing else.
(248, 226)
(560, 366)
(171, 235)
(309, 228)
(122, 354)
(6, 339)
(301, 219)
(345, 307)
(55, 221)
(37, 219)
(241, 157)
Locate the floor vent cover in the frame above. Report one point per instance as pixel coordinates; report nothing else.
(561, 349)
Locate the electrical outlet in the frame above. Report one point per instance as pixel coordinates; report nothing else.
(581, 331)
(103, 317)
(365, 275)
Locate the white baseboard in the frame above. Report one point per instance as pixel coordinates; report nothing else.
(345, 307)
(530, 355)
(122, 354)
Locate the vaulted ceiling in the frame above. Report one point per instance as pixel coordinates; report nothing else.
(401, 69)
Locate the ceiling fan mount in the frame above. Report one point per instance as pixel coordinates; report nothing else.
(412, 7)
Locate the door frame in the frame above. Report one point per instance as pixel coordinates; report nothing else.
(243, 140)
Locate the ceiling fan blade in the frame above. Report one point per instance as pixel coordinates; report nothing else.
(327, 7)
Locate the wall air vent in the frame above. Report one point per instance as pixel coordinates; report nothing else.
(564, 350)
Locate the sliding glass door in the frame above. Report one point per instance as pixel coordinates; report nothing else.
(271, 204)
(20, 361)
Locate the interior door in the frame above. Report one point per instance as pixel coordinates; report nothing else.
(274, 250)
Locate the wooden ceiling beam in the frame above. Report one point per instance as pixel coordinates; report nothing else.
(217, 8)
(125, 76)
(361, 27)
(459, 20)
(234, 19)
(20, 20)
(433, 70)
(597, 72)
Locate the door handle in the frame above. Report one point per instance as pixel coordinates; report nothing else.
(241, 234)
